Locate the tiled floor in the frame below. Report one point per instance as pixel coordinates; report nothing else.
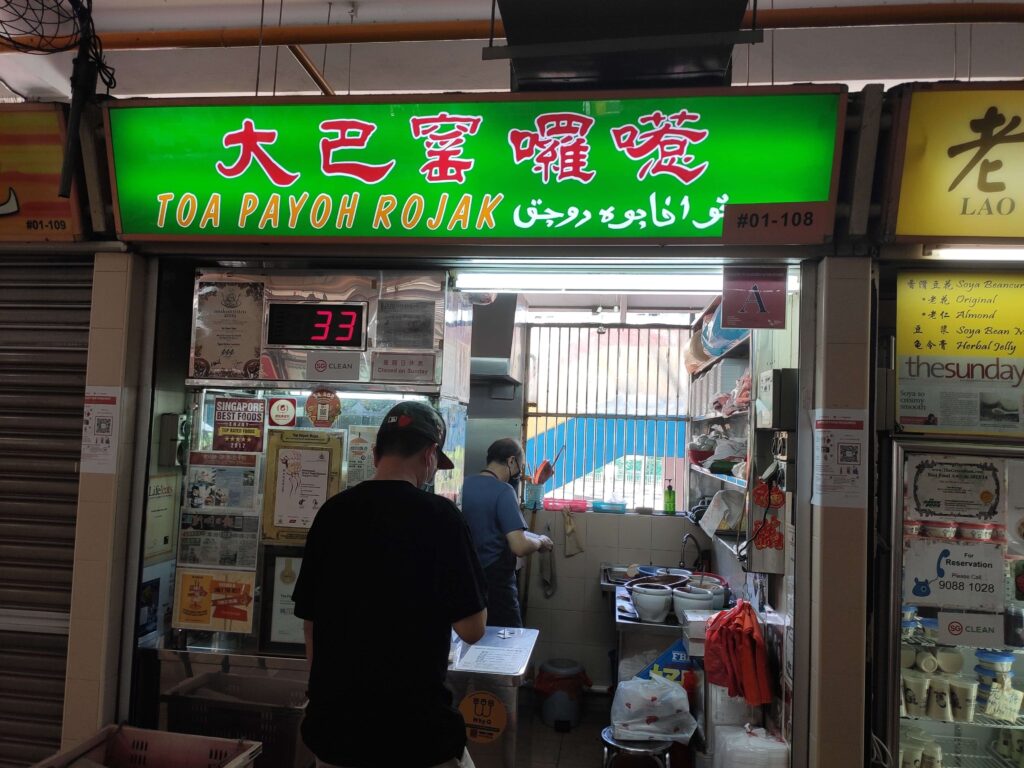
(540, 746)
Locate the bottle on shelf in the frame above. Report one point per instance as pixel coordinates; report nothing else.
(670, 499)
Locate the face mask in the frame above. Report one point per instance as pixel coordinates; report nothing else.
(513, 478)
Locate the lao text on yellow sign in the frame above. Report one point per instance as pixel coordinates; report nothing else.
(963, 165)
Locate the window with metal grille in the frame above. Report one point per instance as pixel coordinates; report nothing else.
(615, 397)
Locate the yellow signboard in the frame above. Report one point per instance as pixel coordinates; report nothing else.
(963, 165)
(31, 153)
(960, 353)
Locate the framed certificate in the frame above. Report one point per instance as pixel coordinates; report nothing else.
(280, 628)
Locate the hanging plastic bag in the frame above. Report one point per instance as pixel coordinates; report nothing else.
(726, 507)
(652, 710)
(694, 355)
(716, 339)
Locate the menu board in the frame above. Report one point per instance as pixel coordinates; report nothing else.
(959, 357)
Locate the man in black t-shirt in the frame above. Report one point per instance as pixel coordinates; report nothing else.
(388, 572)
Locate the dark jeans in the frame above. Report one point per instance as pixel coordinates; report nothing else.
(502, 593)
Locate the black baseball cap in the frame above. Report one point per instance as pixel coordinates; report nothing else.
(420, 418)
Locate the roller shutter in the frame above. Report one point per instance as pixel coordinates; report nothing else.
(44, 335)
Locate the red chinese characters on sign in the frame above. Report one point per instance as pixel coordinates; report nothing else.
(443, 137)
(250, 141)
(666, 144)
(558, 146)
(350, 134)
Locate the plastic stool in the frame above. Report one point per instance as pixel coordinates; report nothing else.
(655, 750)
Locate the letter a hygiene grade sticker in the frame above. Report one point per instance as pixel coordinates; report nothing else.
(754, 298)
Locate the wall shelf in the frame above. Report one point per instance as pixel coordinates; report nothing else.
(738, 346)
(719, 417)
(728, 479)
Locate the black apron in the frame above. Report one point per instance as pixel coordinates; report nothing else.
(503, 592)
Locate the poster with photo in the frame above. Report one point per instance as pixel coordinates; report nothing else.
(238, 424)
(228, 330)
(221, 482)
(218, 540)
(214, 600)
(968, 488)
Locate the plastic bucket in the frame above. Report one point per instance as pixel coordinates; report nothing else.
(559, 686)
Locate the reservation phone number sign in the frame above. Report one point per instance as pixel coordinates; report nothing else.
(953, 574)
(753, 166)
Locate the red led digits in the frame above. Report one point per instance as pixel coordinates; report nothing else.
(324, 326)
(347, 326)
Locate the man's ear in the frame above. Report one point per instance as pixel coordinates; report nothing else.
(376, 457)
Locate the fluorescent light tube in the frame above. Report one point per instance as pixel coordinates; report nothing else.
(978, 254)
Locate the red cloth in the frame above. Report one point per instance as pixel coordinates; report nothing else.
(735, 656)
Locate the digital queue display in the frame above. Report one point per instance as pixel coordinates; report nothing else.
(327, 325)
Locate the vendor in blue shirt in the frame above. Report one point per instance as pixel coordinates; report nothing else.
(490, 504)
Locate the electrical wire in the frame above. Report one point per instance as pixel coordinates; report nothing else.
(880, 754)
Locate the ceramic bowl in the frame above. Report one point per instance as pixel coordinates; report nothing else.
(675, 572)
(652, 602)
(665, 580)
(691, 599)
(717, 585)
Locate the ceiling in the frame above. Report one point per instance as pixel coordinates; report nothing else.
(854, 55)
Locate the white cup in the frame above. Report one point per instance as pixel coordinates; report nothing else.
(938, 700)
(908, 655)
(915, 693)
(911, 755)
(931, 756)
(963, 694)
(926, 662)
(950, 661)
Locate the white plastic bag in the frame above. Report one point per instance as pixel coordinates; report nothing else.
(725, 508)
(652, 710)
(749, 748)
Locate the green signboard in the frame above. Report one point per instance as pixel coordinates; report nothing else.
(750, 165)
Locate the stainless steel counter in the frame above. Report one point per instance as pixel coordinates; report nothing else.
(484, 680)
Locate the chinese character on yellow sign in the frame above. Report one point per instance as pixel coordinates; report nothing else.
(960, 352)
(31, 154)
(485, 716)
(963, 167)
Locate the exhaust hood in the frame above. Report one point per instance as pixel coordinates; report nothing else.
(496, 347)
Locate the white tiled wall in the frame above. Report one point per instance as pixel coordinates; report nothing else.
(576, 621)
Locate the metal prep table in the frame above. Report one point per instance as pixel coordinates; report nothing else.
(488, 692)
(485, 681)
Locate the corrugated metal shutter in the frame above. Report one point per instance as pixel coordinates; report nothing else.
(44, 336)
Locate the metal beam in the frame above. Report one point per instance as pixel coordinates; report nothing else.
(623, 45)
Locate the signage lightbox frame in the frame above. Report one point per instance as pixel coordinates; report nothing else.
(893, 185)
(777, 222)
